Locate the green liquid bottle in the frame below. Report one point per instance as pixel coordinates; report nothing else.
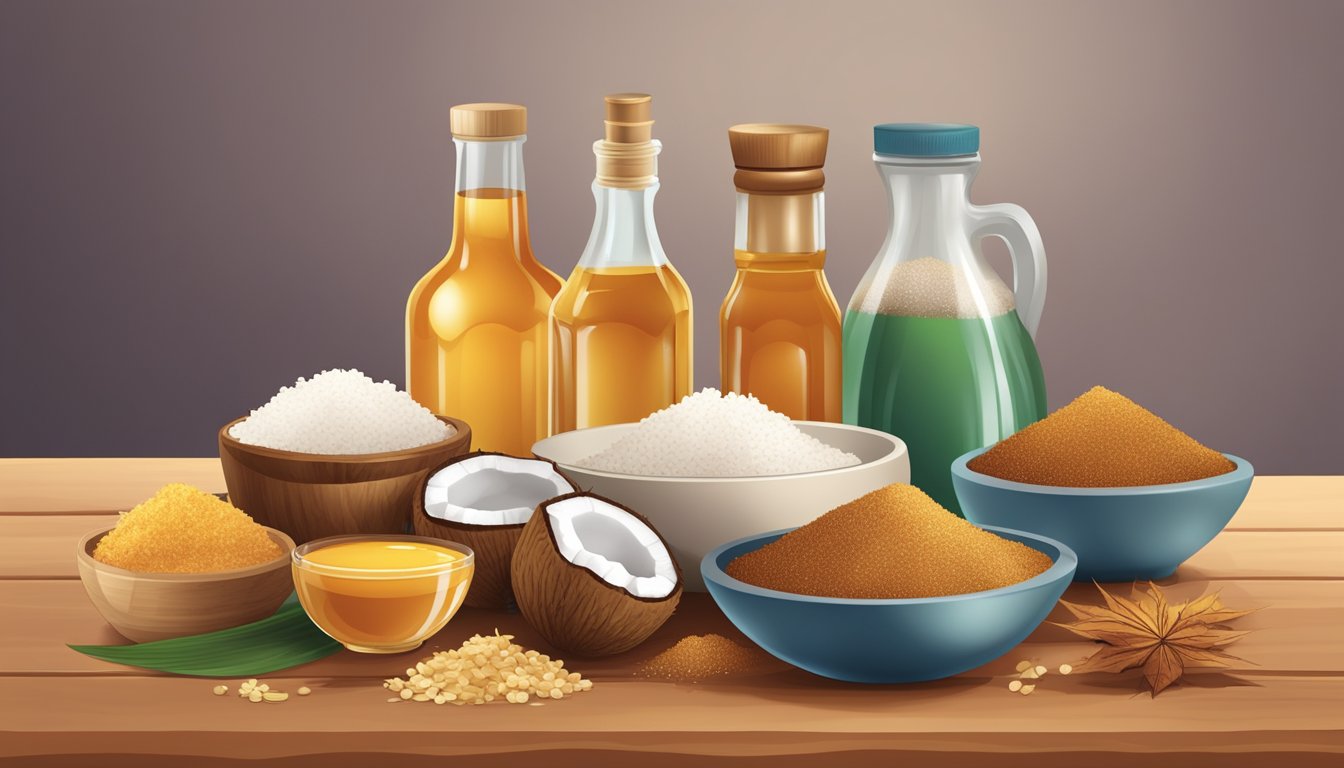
(937, 350)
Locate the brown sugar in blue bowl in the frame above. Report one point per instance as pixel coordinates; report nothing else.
(1132, 495)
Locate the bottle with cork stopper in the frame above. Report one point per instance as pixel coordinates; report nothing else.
(780, 325)
(476, 340)
(621, 327)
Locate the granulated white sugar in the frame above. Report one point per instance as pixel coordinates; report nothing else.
(712, 435)
(341, 412)
(929, 287)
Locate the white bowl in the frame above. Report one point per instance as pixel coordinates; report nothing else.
(697, 514)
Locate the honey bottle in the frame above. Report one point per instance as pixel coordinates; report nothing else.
(476, 341)
(621, 326)
(780, 325)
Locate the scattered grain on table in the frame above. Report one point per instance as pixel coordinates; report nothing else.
(256, 691)
(485, 669)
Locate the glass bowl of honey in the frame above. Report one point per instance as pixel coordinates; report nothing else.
(382, 593)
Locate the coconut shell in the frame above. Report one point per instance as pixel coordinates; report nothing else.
(572, 607)
(492, 583)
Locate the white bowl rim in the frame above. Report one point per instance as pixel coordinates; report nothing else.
(1062, 567)
(897, 448)
(1243, 471)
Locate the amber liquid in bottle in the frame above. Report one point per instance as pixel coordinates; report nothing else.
(622, 345)
(781, 335)
(780, 325)
(476, 337)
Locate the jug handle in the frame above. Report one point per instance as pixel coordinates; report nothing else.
(1015, 227)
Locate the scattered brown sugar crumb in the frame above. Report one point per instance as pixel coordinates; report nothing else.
(1100, 440)
(181, 529)
(895, 542)
(698, 657)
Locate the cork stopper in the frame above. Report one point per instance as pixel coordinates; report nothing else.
(774, 158)
(487, 121)
(629, 118)
(627, 158)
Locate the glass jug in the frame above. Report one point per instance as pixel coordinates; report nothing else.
(937, 350)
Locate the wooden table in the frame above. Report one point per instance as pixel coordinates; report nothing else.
(1283, 553)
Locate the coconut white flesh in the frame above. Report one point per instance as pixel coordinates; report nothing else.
(492, 490)
(615, 545)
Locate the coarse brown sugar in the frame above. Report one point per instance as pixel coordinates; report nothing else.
(895, 542)
(181, 529)
(698, 657)
(1100, 440)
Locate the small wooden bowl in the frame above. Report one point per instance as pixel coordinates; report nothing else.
(157, 606)
(313, 496)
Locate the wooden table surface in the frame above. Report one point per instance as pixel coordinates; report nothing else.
(1283, 554)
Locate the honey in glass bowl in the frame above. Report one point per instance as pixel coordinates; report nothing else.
(382, 594)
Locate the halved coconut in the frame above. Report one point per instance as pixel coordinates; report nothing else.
(483, 500)
(593, 577)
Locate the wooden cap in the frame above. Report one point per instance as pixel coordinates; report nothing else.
(778, 158)
(776, 147)
(487, 120)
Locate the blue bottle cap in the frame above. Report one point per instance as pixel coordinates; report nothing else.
(926, 139)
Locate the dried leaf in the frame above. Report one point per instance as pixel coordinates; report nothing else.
(1205, 657)
(1163, 668)
(1209, 610)
(1107, 620)
(1130, 610)
(1148, 631)
(1112, 658)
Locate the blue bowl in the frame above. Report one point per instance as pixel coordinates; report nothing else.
(912, 639)
(1120, 534)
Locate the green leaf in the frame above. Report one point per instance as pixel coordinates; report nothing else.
(282, 640)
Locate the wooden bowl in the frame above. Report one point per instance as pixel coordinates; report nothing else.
(313, 496)
(157, 606)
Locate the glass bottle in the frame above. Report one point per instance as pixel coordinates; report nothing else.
(621, 326)
(476, 342)
(779, 325)
(938, 351)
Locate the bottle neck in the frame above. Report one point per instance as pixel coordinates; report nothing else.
(929, 200)
(786, 228)
(490, 164)
(490, 207)
(624, 233)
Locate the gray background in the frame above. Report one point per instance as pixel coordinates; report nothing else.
(202, 201)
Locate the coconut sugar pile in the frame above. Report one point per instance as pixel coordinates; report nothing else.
(895, 542)
(1101, 440)
(699, 657)
(182, 529)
